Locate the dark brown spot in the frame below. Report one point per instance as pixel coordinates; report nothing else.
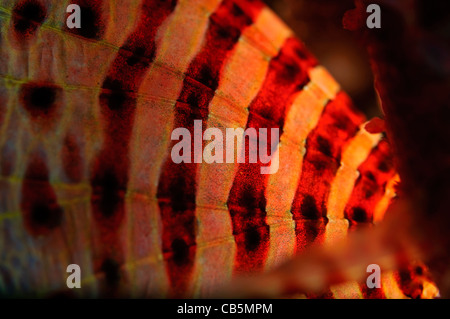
(138, 58)
(309, 208)
(369, 194)
(108, 190)
(319, 165)
(370, 176)
(207, 77)
(324, 146)
(252, 239)
(419, 270)
(40, 99)
(115, 96)
(39, 202)
(359, 215)
(180, 252)
(46, 215)
(27, 17)
(111, 269)
(385, 166)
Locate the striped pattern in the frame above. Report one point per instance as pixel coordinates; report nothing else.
(86, 174)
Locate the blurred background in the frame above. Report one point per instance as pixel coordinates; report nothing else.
(319, 24)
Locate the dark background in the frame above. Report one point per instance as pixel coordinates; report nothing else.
(318, 23)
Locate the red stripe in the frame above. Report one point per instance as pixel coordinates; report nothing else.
(118, 104)
(337, 125)
(178, 182)
(410, 280)
(287, 74)
(370, 186)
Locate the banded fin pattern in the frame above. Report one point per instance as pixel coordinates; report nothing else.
(86, 174)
